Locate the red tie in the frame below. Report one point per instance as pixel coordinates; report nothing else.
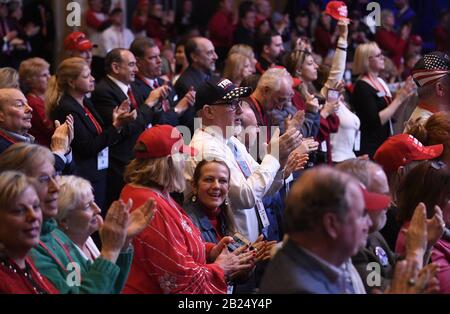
(164, 103)
(132, 99)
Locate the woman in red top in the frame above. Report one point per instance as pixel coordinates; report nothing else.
(20, 227)
(170, 255)
(34, 75)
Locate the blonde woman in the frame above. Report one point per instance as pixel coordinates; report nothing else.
(34, 75)
(66, 95)
(9, 78)
(237, 67)
(171, 256)
(373, 102)
(247, 51)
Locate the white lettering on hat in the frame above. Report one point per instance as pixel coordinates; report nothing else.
(225, 83)
(343, 11)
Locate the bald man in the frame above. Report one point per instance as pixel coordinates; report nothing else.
(15, 122)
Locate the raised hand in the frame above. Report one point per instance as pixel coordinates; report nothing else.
(140, 218)
(296, 161)
(187, 101)
(158, 94)
(307, 146)
(63, 136)
(296, 121)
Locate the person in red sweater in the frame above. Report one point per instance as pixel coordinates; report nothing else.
(34, 75)
(170, 255)
(393, 44)
(221, 28)
(20, 227)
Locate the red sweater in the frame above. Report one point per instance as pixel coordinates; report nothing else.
(41, 127)
(169, 255)
(221, 29)
(17, 283)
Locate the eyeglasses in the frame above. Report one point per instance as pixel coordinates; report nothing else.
(380, 55)
(233, 104)
(45, 179)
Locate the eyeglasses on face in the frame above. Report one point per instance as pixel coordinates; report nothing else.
(233, 105)
(45, 179)
(378, 56)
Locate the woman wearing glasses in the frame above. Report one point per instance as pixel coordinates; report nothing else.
(56, 256)
(372, 100)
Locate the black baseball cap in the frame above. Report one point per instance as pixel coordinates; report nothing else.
(217, 91)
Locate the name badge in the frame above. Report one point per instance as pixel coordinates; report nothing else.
(230, 289)
(323, 146)
(381, 94)
(262, 214)
(357, 146)
(103, 159)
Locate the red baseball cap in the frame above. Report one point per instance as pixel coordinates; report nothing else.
(402, 149)
(337, 10)
(78, 41)
(375, 201)
(162, 141)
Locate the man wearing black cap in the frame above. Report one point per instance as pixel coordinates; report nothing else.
(218, 104)
(432, 76)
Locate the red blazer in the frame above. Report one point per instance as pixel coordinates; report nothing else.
(221, 29)
(16, 283)
(170, 255)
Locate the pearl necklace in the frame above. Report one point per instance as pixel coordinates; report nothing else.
(26, 273)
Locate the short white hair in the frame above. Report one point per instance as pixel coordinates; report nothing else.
(273, 78)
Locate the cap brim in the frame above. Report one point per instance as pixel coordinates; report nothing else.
(375, 201)
(238, 92)
(191, 151)
(86, 45)
(429, 152)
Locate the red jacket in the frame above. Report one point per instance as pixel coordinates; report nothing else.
(170, 255)
(15, 282)
(41, 127)
(328, 126)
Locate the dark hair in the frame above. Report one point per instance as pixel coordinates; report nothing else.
(429, 183)
(190, 47)
(114, 55)
(245, 7)
(265, 40)
(226, 213)
(251, 81)
(116, 11)
(139, 45)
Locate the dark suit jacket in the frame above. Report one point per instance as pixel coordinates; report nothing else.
(87, 143)
(60, 165)
(293, 271)
(142, 91)
(106, 96)
(190, 78)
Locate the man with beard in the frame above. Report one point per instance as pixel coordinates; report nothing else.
(270, 51)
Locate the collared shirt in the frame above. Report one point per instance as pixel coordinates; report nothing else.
(265, 178)
(116, 37)
(123, 87)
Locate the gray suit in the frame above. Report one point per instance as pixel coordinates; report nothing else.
(293, 270)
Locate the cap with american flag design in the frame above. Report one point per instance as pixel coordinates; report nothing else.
(431, 68)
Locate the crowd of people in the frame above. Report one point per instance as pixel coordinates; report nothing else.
(261, 153)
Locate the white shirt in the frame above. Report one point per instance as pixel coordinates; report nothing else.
(123, 87)
(116, 37)
(243, 192)
(343, 141)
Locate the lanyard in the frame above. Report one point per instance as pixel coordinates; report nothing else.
(53, 256)
(93, 120)
(6, 137)
(377, 85)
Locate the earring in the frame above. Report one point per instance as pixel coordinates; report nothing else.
(194, 198)
(225, 203)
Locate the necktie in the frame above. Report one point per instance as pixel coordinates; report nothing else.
(132, 99)
(164, 102)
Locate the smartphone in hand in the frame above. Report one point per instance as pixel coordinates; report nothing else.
(332, 95)
(239, 240)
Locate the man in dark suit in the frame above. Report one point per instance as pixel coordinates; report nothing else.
(148, 80)
(327, 224)
(202, 59)
(15, 122)
(113, 90)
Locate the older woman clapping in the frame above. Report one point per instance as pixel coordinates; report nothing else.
(170, 256)
(57, 256)
(20, 226)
